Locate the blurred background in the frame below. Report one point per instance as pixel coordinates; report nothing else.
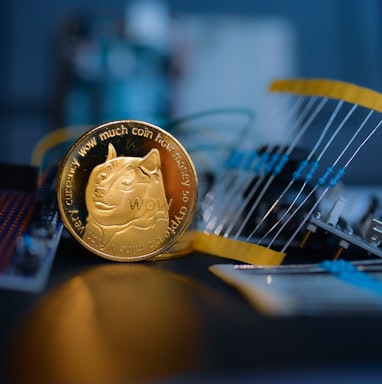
(82, 62)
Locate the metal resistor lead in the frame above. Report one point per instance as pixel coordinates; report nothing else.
(193, 128)
(228, 188)
(261, 164)
(323, 178)
(229, 195)
(285, 156)
(331, 183)
(309, 175)
(236, 159)
(302, 223)
(253, 164)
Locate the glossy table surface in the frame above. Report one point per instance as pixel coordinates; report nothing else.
(168, 321)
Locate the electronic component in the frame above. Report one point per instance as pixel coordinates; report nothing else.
(258, 199)
(30, 230)
(367, 234)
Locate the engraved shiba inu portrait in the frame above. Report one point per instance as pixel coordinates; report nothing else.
(126, 201)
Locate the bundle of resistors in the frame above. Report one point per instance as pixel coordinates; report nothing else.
(274, 195)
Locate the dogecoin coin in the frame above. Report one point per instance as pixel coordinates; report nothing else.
(127, 190)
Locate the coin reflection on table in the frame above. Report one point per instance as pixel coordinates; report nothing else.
(115, 322)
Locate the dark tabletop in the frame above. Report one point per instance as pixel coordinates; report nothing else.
(168, 319)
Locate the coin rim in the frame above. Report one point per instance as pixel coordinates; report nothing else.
(79, 239)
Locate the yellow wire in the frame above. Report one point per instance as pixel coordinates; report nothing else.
(333, 89)
(55, 138)
(236, 249)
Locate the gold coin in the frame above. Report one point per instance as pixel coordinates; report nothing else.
(127, 190)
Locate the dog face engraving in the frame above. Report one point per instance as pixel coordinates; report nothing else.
(126, 194)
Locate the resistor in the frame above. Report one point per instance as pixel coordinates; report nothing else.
(312, 170)
(250, 160)
(271, 163)
(324, 177)
(297, 173)
(280, 165)
(263, 159)
(235, 158)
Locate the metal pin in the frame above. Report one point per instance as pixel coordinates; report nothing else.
(343, 244)
(305, 239)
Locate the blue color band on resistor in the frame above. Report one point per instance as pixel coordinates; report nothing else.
(312, 170)
(334, 180)
(234, 159)
(271, 164)
(324, 177)
(297, 173)
(349, 273)
(248, 163)
(263, 159)
(279, 167)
